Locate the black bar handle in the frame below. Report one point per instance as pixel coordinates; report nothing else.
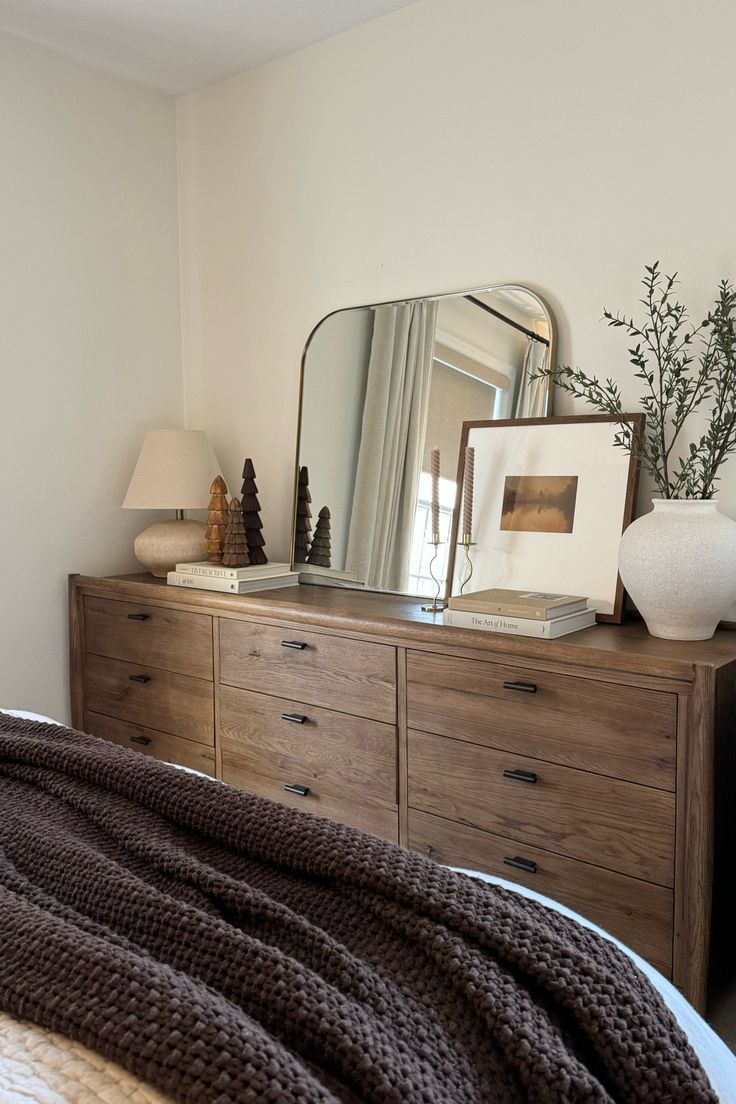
(139, 616)
(298, 644)
(297, 718)
(520, 775)
(518, 863)
(523, 687)
(144, 740)
(140, 678)
(293, 788)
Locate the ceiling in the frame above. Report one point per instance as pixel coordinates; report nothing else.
(180, 45)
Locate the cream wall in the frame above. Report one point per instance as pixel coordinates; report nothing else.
(561, 144)
(89, 340)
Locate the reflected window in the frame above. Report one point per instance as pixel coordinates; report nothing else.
(455, 396)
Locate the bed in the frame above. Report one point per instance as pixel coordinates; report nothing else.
(40, 1065)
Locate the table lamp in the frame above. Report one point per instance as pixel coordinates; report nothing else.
(174, 472)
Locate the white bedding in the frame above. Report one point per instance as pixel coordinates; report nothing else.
(39, 1066)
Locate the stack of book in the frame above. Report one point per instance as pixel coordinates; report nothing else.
(520, 612)
(233, 580)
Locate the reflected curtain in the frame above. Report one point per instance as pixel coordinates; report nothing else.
(531, 397)
(391, 444)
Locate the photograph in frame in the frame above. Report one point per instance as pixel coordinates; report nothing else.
(552, 497)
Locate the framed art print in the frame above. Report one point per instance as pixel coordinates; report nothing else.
(551, 499)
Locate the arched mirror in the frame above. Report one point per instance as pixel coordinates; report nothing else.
(382, 387)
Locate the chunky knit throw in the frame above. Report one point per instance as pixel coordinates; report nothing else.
(227, 948)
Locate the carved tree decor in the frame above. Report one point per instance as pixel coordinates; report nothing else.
(235, 550)
(217, 515)
(252, 515)
(320, 552)
(303, 535)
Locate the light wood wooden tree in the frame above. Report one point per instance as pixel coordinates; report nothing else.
(217, 515)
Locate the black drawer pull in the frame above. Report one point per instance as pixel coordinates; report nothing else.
(298, 644)
(293, 788)
(144, 740)
(518, 863)
(523, 687)
(139, 616)
(297, 718)
(140, 678)
(520, 775)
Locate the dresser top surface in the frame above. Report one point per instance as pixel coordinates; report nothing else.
(401, 620)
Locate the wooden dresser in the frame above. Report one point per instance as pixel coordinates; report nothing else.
(599, 769)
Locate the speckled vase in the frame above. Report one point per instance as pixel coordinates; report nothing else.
(678, 563)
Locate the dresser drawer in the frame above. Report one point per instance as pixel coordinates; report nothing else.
(159, 745)
(622, 731)
(636, 912)
(176, 704)
(172, 640)
(604, 821)
(379, 820)
(348, 757)
(348, 675)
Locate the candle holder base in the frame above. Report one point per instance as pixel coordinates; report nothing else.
(437, 605)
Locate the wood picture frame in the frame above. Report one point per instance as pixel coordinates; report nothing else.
(625, 476)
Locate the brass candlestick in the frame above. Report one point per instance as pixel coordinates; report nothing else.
(466, 543)
(437, 604)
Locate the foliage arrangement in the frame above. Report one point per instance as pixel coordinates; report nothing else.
(685, 369)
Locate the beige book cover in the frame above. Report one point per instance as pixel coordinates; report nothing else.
(519, 603)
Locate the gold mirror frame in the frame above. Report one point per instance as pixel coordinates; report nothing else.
(489, 288)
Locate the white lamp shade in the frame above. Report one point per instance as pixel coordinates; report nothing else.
(174, 471)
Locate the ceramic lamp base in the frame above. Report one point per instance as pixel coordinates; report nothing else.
(163, 545)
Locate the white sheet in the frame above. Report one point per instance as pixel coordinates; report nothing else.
(35, 1064)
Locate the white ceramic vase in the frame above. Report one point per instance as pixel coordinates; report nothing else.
(678, 563)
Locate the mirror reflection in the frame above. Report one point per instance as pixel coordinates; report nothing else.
(382, 387)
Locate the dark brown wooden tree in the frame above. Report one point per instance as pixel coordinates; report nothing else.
(235, 548)
(321, 551)
(303, 534)
(252, 515)
(217, 514)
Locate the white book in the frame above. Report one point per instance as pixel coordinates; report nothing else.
(520, 626)
(231, 586)
(217, 571)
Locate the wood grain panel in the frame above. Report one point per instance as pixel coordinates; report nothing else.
(348, 757)
(600, 820)
(172, 640)
(351, 676)
(379, 820)
(622, 731)
(391, 618)
(695, 828)
(636, 912)
(176, 704)
(159, 745)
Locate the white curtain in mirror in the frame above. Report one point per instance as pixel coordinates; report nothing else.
(532, 398)
(392, 443)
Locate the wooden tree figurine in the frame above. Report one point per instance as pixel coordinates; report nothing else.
(320, 551)
(235, 549)
(252, 515)
(217, 513)
(303, 535)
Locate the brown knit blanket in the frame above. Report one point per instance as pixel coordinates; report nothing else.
(226, 948)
